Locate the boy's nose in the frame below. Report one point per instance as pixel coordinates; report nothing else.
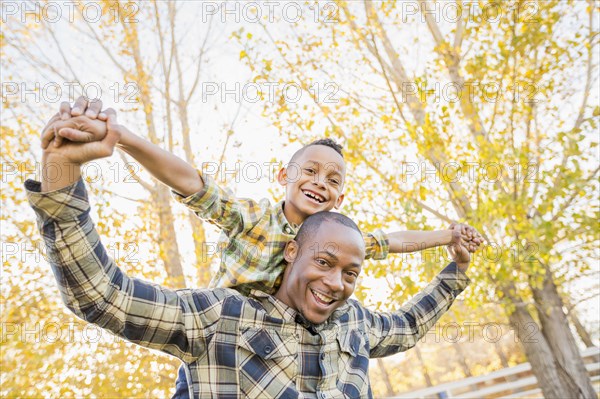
(319, 182)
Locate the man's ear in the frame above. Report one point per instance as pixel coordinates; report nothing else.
(282, 176)
(291, 250)
(339, 201)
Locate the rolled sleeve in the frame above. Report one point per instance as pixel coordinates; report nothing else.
(63, 205)
(218, 206)
(377, 245)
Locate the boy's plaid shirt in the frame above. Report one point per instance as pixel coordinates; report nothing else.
(233, 346)
(254, 235)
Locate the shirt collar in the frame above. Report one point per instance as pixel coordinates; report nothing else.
(287, 227)
(279, 309)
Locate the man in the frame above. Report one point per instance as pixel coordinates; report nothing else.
(308, 340)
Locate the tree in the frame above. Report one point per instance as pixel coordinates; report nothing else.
(496, 92)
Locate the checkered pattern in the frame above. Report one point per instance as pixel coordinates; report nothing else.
(253, 237)
(232, 346)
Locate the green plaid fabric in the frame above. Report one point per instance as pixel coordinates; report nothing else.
(254, 235)
(232, 346)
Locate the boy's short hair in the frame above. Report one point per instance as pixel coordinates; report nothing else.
(326, 142)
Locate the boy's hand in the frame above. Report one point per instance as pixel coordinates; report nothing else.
(83, 123)
(467, 236)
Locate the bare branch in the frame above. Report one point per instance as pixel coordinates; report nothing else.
(147, 186)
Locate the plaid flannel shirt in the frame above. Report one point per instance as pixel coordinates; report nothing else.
(233, 346)
(253, 237)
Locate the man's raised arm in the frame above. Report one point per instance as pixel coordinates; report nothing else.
(393, 332)
(91, 284)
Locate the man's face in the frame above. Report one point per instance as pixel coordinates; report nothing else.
(322, 273)
(314, 182)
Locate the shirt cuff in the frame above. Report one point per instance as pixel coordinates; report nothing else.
(65, 204)
(203, 199)
(455, 279)
(378, 245)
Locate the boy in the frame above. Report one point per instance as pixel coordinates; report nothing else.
(254, 233)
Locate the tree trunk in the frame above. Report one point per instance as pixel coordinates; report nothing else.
(538, 353)
(462, 359)
(555, 329)
(386, 378)
(423, 367)
(169, 250)
(501, 355)
(581, 330)
(579, 327)
(203, 257)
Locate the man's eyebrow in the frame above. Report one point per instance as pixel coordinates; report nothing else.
(330, 254)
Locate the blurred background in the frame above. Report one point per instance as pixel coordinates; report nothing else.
(482, 112)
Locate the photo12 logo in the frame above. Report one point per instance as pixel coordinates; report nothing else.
(69, 11)
(55, 92)
(270, 11)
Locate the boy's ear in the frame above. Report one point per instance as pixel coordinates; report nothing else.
(282, 176)
(291, 251)
(339, 201)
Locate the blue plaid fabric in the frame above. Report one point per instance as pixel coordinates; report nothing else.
(232, 346)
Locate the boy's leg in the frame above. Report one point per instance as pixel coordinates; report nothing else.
(181, 385)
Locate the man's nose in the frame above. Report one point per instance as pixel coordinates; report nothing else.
(334, 281)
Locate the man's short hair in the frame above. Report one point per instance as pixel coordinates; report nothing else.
(326, 142)
(313, 222)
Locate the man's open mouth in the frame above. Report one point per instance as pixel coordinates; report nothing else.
(321, 298)
(314, 196)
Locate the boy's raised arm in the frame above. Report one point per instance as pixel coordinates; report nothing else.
(416, 240)
(163, 165)
(84, 122)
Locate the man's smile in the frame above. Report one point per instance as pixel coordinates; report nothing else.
(322, 298)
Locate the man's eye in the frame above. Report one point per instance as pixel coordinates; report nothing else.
(321, 262)
(353, 275)
(334, 181)
(310, 171)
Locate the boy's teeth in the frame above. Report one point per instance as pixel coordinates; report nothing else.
(311, 195)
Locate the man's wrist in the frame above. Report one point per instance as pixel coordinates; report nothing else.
(462, 266)
(58, 172)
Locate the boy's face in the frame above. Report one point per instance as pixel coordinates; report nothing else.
(322, 271)
(314, 182)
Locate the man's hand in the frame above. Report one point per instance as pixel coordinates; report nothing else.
(465, 241)
(79, 153)
(460, 254)
(83, 123)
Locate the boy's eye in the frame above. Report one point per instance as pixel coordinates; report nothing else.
(310, 171)
(334, 181)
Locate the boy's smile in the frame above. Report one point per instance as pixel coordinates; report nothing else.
(314, 181)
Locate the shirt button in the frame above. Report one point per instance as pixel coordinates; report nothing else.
(268, 349)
